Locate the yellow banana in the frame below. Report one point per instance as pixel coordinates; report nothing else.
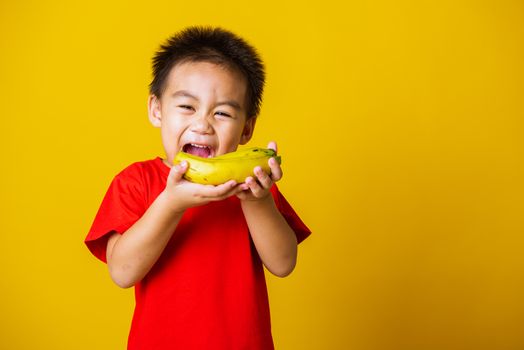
(230, 166)
(247, 153)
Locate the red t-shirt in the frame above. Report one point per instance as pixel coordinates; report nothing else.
(207, 290)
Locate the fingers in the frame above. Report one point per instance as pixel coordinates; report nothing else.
(276, 170)
(259, 186)
(219, 192)
(177, 171)
(257, 190)
(272, 145)
(263, 178)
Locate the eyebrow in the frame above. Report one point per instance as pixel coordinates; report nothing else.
(184, 93)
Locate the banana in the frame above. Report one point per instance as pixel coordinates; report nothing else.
(230, 166)
(247, 153)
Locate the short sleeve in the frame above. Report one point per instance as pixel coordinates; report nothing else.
(294, 221)
(122, 206)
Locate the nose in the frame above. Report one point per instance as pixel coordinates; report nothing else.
(201, 125)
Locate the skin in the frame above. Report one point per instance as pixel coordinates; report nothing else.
(203, 104)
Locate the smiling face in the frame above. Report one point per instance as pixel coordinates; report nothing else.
(202, 110)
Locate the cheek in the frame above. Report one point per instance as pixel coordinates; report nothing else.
(171, 133)
(172, 125)
(230, 136)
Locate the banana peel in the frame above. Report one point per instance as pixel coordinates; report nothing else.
(236, 165)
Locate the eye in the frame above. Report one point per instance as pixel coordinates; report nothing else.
(223, 114)
(186, 107)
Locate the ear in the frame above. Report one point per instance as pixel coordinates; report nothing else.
(247, 133)
(154, 111)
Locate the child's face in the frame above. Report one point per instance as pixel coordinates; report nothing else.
(202, 110)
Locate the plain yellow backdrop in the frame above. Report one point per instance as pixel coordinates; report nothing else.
(401, 127)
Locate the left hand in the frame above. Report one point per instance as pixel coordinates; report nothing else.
(257, 187)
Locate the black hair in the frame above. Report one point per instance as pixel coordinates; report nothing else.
(216, 45)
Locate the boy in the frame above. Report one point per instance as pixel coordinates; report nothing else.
(195, 253)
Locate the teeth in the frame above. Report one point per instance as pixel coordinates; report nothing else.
(199, 146)
(202, 147)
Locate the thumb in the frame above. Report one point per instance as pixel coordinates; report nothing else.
(272, 145)
(177, 171)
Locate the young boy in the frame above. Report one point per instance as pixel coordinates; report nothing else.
(195, 253)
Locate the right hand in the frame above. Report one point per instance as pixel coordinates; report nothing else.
(184, 194)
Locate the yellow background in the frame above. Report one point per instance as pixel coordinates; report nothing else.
(401, 128)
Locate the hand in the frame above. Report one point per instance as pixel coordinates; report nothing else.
(184, 194)
(257, 188)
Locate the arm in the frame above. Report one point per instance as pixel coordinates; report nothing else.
(275, 241)
(130, 256)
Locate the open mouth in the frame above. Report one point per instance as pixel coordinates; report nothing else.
(198, 150)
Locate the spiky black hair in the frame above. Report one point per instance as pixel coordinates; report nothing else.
(216, 45)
